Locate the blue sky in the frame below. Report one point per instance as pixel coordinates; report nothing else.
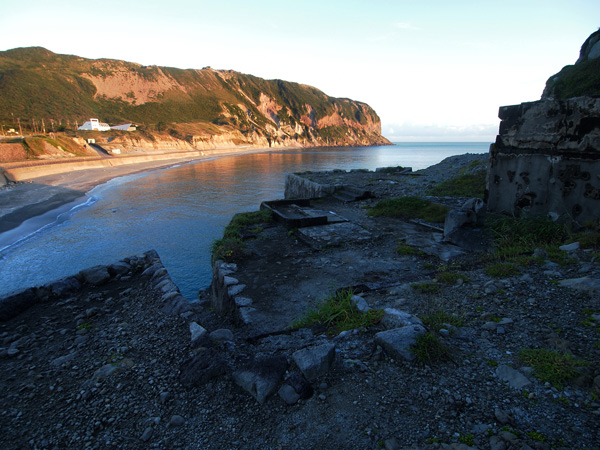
(433, 70)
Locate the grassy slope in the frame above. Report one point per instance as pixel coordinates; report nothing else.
(36, 83)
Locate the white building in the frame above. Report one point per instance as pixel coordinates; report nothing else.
(94, 124)
(124, 127)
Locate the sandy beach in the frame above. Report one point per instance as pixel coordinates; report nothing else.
(34, 197)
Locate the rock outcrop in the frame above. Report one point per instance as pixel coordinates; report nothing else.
(546, 158)
(582, 78)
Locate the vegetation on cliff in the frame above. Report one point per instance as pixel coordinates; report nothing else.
(582, 78)
(66, 90)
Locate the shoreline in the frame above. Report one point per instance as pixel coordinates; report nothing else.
(39, 196)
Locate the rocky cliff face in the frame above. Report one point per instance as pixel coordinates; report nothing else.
(193, 108)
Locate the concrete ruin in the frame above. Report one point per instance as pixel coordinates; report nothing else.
(546, 160)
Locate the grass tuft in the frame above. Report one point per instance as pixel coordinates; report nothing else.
(448, 277)
(438, 319)
(231, 246)
(429, 349)
(410, 208)
(515, 237)
(502, 270)
(338, 313)
(551, 366)
(466, 185)
(427, 287)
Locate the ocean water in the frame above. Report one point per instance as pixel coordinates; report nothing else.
(182, 210)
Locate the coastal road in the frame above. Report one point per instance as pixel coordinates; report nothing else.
(102, 152)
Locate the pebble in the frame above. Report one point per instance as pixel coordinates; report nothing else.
(147, 434)
(176, 421)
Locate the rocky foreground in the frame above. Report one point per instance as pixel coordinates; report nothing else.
(114, 357)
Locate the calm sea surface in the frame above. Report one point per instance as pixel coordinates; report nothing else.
(180, 211)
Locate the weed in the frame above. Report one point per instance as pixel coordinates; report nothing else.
(510, 430)
(428, 287)
(492, 363)
(535, 436)
(558, 256)
(410, 208)
(439, 319)
(502, 270)
(516, 237)
(552, 366)
(338, 313)
(84, 326)
(428, 266)
(405, 249)
(466, 185)
(466, 439)
(230, 247)
(447, 277)
(587, 239)
(429, 349)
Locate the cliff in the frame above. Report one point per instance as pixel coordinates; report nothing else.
(582, 78)
(189, 109)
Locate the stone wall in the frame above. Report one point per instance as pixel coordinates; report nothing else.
(301, 187)
(142, 267)
(546, 160)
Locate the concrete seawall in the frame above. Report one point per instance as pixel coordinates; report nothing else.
(28, 172)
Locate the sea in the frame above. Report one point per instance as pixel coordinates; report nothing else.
(181, 210)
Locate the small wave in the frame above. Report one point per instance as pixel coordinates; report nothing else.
(35, 225)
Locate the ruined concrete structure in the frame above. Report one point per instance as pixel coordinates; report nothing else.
(546, 160)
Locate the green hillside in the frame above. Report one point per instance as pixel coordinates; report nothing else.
(37, 84)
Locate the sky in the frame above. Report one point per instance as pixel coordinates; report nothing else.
(433, 70)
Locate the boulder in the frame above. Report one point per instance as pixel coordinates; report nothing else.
(315, 361)
(261, 377)
(299, 385)
(397, 343)
(361, 303)
(201, 368)
(197, 332)
(585, 284)
(119, 268)
(221, 335)
(393, 318)
(96, 275)
(64, 286)
(513, 377)
(470, 214)
(176, 305)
